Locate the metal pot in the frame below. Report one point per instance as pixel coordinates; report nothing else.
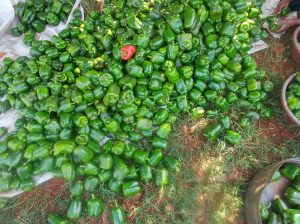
(295, 46)
(289, 113)
(262, 190)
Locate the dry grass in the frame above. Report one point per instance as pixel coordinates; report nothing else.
(92, 5)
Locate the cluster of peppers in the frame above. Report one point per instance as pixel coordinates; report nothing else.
(95, 208)
(91, 96)
(34, 15)
(293, 96)
(284, 210)
(273, 20)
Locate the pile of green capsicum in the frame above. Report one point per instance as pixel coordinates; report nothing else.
(273, 20)
(34, 15)
(293, 96)
(91, 94)
(286, 209)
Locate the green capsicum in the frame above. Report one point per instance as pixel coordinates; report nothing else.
(55, 219)
(91, 183)
(68, 171)
(292, 196)
(95, 207)
(290, 170)
(232, 137)
(131, 188)
(75, 209)
(118, 215)
(76, 188)
(213, 131)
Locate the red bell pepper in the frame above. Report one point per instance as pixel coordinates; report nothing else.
(127, 52)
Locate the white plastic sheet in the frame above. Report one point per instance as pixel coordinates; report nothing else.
(258, 46)
(7, 16)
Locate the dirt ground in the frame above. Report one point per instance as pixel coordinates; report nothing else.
(277, 60)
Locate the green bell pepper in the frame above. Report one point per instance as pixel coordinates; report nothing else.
(129, 151)
(211, 41)
(268, 86)
(75, 209)
(95, 207)
(279, 206)
(131, 188)
(291, 216)
(16, 145)
(56, 6)
(27, 185)
(83, 154)
(274, 218)
(91, 183)
(161, 177)
(24, 172)
(185, 41)
(264, 212)
(55, 219)
(76, 188)
(292, 196)
(141, 157)
(52, 19)
(118, 215)
(155, 157)
(232, 137)
(115, 185)
(189, 17)
(175, 22)
(296, 183)
(38, 26)
(144, 124)
(213, 131)
(105, 175)
(28, 16)
(158, 142)
(169, 35)
(290, 170)
(106, 161)
(228, 29)
(164, 130)
(120, 169)
(68, 171)
(118, 148)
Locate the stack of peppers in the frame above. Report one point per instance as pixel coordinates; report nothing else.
(286, 209)
(293, 96)
(34, 15)
(273, 20)
(88, 97)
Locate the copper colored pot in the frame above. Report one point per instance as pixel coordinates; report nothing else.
(287, 110)
(296, 47)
